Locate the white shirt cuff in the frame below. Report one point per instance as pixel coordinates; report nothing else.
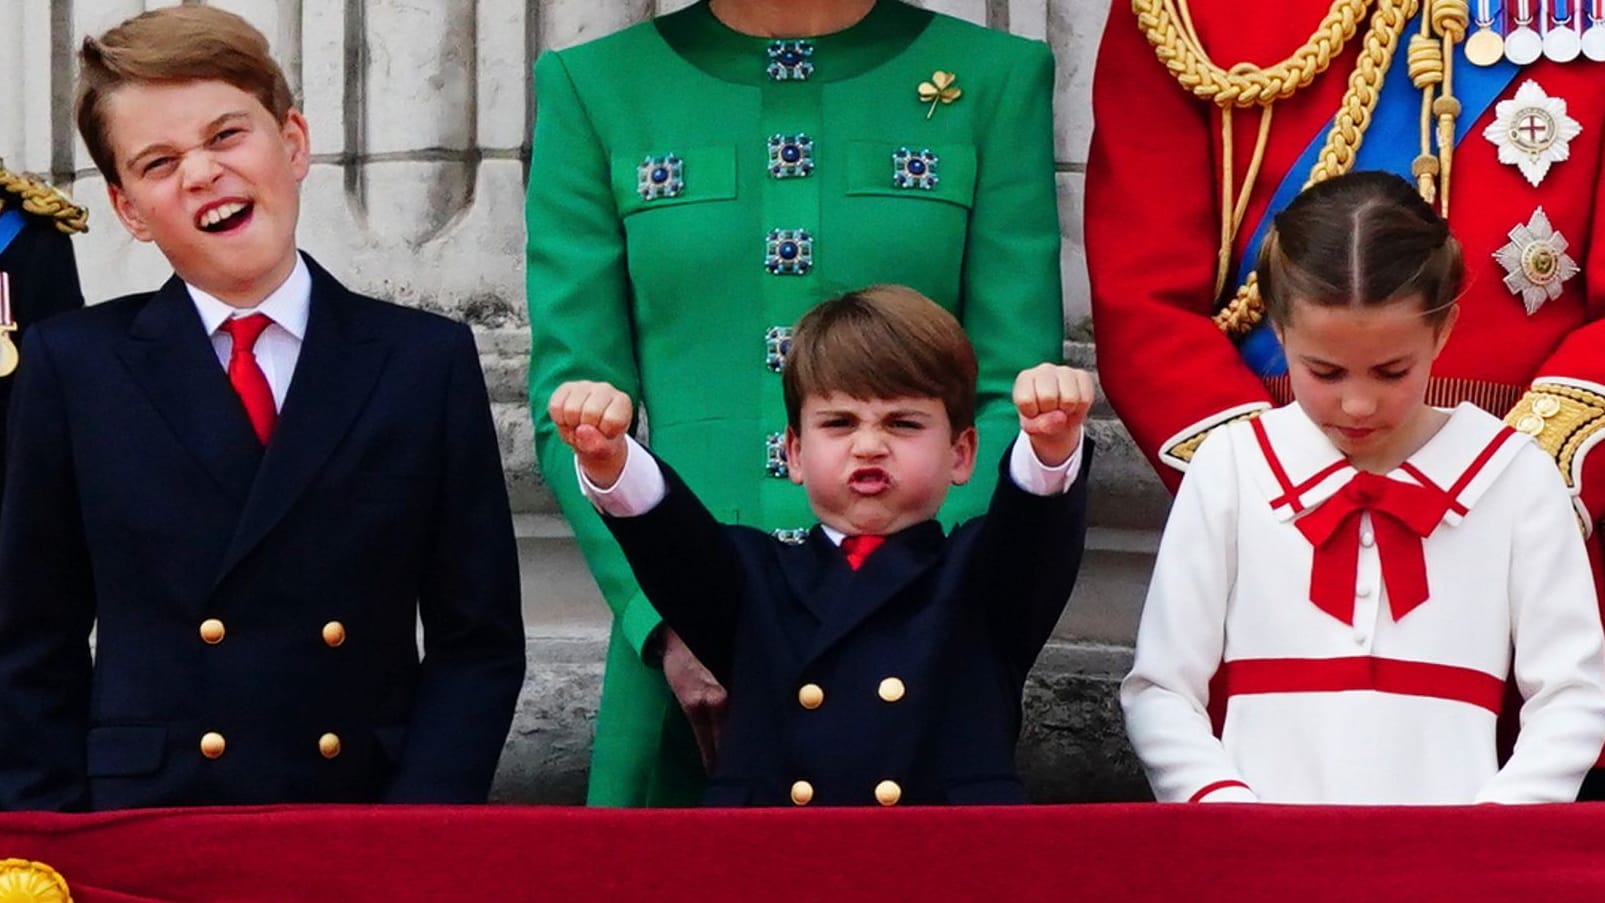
(639, 488)
(1030, 474)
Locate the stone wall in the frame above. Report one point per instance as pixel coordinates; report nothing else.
(421, 114)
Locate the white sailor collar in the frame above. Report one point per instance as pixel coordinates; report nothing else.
(1296, 467)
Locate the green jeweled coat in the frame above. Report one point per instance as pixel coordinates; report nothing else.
(669, 298)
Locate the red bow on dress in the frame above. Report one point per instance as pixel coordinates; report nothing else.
(1402, 514)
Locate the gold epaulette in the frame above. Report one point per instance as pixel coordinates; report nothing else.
(43, 199)
(1179, 451)
(1564, 419)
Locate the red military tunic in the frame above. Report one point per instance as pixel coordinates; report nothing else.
(1153, 229)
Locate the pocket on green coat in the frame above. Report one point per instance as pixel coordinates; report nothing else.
(673, 177)
(936, 172)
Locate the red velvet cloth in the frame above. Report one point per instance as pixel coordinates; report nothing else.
(1193, 853)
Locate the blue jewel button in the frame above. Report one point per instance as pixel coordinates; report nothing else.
(660, 177)
(790, 60)
(775, 455)
(911, 169)
(789, 252)
(790, 156)
(776, 345)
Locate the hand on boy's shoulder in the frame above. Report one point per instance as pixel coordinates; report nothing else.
(593, 418)
(1053, 401)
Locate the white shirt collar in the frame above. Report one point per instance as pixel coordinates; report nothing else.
(286, 305)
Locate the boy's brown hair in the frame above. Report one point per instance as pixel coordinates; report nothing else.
(175, 44)
(1363, 239)
(885, 341)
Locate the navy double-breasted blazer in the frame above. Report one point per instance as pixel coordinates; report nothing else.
(954, 621)
(140, 503)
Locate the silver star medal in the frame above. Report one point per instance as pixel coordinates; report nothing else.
(1532, 131)
(1535, 261)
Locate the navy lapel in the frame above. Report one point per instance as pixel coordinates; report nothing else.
(809, 570)
(335, 374)
(857, 595)
(170, 357)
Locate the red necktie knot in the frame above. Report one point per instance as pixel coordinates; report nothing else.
(246, 330)
(858, 548)
(245, 374)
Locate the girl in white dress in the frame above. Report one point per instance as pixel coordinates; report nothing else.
(1347, 581)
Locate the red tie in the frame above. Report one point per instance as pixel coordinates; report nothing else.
(1401, 514)
(858, 548)
(246, 375)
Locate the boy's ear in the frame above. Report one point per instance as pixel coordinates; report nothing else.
(297, 138)
(964, 455)
(794, 456)
(130, 216)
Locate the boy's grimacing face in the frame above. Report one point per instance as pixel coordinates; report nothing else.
(878, 465)
(210, 177)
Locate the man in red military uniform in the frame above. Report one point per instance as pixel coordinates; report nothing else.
(38, 273)
(1212, 114)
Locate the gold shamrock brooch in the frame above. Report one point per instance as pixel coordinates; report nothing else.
(940, 89)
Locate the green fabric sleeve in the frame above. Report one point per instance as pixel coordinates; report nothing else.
(1011, 304)
(579, 313)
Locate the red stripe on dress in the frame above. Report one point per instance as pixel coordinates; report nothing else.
(1460, 485)
(1251, 676)
(1424, 480)
(1299, 490)
(1211, 788)
(1289, 494)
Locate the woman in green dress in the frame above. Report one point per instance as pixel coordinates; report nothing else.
(700, 180)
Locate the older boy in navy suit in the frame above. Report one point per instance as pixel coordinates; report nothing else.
(874, 660)
(251, 481)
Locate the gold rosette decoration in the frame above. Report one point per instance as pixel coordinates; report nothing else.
(22, 881)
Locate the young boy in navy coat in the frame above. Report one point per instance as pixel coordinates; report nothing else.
(873, 660)
(252, 482)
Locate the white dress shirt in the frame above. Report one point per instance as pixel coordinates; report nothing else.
(640, 485)
(279, 346)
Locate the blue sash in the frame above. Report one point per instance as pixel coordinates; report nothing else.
(1392, 142)
(11, 223)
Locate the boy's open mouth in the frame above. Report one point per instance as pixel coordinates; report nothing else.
(870, 481)
(225, 216)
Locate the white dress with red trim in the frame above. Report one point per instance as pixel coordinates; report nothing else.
(1363, 624)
